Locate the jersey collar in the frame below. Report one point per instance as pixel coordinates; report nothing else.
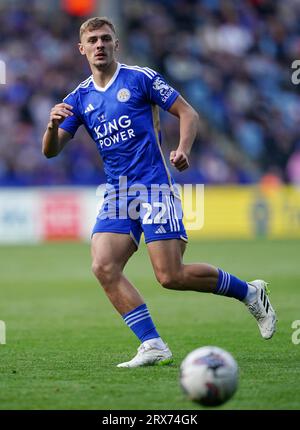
(109, 83)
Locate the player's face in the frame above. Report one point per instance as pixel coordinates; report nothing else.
(99, 46)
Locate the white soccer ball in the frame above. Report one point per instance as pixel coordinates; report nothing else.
(209, 375)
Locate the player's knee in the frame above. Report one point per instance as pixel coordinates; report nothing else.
(169, 280)
(105, 271)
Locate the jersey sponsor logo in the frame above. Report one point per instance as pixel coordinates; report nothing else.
(123, 95)
(164, 89)
(102, 118)
(114, 131)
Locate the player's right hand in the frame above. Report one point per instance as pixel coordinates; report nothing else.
(59, 112)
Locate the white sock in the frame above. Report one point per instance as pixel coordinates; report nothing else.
(156, 342)
(251, 294)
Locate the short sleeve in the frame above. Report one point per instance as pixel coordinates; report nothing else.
(158, 90)
(71, 123)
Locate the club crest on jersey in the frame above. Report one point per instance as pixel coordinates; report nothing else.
(123, 95)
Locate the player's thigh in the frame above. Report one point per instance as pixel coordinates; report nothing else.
(166, 256)
(112, 249)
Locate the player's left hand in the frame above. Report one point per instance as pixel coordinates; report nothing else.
(179, 159)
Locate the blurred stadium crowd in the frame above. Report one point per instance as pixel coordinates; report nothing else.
(230, 59)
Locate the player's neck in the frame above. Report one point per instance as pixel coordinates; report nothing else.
(103, 76)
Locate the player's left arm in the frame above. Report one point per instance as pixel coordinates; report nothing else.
(189, 124)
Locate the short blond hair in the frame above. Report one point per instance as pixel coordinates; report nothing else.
(94, 24)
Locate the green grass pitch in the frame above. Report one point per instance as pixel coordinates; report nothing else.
(63, 338)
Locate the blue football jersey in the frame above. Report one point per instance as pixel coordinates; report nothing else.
(123, 120)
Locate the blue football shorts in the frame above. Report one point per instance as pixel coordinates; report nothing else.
(157, 215)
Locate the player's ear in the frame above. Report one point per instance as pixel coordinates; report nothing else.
(117, 45)
(81, 48)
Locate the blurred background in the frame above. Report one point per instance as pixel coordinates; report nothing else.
(230, 59)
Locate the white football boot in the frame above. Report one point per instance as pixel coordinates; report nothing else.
(148, 355)
(262, 310)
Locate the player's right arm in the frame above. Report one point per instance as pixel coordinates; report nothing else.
(55, 138)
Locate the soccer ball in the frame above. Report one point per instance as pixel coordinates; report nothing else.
(209, 375)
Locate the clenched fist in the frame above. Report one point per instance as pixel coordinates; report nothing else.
(58, 113)
(179, 159)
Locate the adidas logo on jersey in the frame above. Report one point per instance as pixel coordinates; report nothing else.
(160, 230)
(89, 108)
